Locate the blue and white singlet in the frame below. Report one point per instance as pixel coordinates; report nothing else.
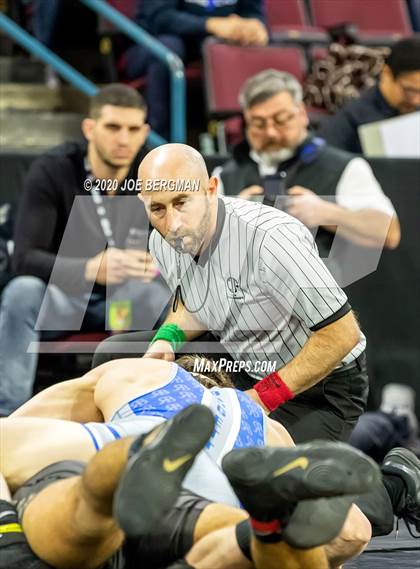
(239, 423)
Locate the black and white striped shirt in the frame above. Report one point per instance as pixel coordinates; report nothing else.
(261, 286)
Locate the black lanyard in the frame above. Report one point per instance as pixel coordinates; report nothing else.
(178, 291)
(101, 210)
(102, 214)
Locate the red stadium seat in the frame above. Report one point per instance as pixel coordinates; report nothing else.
(128, 8)
(68, 357)
(193, 73)
(374, 18)
(288, 21)
(79, 342)
(227, 67)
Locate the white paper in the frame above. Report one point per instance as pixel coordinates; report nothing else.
(401, 136)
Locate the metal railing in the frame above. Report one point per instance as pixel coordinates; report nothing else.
(174, 63)
(20, 36)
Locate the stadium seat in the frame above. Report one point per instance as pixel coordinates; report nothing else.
(130, 8)
(288, 22)
(377, 22)
(78, 342)
(237, 64)
(127, 7)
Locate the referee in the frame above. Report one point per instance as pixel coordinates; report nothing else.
(251, 275)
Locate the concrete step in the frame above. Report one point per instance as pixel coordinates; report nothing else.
(21, 69)
(29, 129)
(39, 97)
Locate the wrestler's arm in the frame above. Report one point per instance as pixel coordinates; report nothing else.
(72, 400)
(97, 393)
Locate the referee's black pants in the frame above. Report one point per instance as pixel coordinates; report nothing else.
(328, 411)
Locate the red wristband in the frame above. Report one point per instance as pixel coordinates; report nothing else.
(274, 526)
(273, 391)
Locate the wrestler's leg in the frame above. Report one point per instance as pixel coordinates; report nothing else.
(215, 543)
(210, 546)
(14, 548)
(352, 540)
(216, 546)
(266, 479)
(70, 524)
(30, 444)
(216, 540)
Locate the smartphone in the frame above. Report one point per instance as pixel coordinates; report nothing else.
(275, 191)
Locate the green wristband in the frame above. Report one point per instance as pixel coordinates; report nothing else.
(171, 333)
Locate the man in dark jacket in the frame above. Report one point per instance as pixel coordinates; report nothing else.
(73, 237)
(397, 93)
(182, 25)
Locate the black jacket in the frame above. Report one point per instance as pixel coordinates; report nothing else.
(341, 130)
(47, 210)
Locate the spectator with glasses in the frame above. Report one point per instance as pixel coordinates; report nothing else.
(397, 93)
(325, 187)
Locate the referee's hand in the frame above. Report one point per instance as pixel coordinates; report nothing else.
(160, 350)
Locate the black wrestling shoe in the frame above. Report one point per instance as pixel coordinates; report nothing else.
(316, 522)
(403, 463)
(266, 480)
(156, 468)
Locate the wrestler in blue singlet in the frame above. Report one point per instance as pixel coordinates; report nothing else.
(239, 423)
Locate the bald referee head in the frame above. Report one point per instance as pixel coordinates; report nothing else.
(179, 196)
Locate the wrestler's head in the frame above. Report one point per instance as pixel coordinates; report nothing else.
(213, 376)
(179, 196)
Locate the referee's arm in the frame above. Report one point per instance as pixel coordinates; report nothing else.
(321, 354)
(186, 321)
(192, 328)
(323, 351)
(294, 273)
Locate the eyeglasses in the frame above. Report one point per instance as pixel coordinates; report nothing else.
(280, 121)
(408, 91)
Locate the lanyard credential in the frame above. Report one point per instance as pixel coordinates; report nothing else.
(99, 206)
(102, 214)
